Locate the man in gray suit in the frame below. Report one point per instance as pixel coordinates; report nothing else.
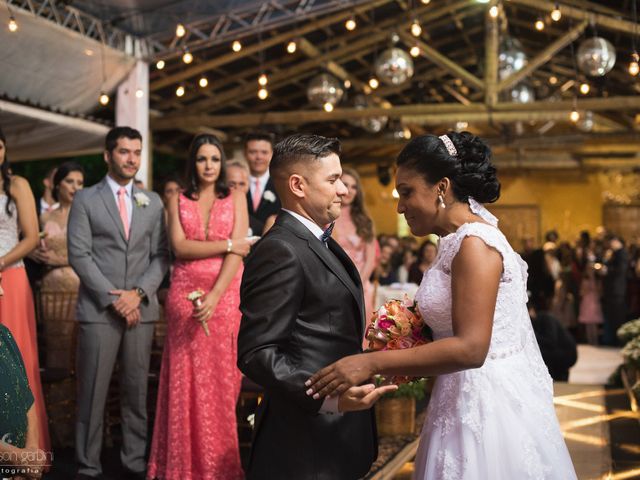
(118, 247)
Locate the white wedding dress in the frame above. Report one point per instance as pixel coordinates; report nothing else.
(496, 422)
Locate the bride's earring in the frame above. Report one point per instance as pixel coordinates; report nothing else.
(441, 200)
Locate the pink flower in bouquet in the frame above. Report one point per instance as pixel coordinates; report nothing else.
(400, 343)
(385, 324)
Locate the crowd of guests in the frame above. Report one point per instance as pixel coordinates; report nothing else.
(116, 248)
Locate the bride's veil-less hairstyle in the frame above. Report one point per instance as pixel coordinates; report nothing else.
(470, 170)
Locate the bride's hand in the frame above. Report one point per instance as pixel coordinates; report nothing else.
(363, 397)
(339, 376)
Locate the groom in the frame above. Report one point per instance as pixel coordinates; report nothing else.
(302, 309)
(118, 248)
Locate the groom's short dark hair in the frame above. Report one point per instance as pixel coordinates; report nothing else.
(300, 148)
(120, 132)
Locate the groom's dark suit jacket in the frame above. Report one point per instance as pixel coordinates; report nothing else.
(302, 309)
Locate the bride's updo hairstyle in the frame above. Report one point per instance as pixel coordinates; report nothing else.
(470, 169)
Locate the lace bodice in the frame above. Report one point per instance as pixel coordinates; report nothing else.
(9, 231)
(511, 323)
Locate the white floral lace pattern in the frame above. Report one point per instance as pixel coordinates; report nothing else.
(504, 409)
(9, 231)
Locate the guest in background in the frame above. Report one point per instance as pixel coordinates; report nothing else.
(238, 176)
(19, 425)
(590, 310)
(262, 199)
(354, 232)
(60, 281)
(426, 256)
(18, 237)
(540, 282)
(408, 259)
(386, 273)
(195, 434)
(614, 287)
(171, 187)
(47, 202)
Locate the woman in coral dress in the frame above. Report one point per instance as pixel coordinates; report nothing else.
(195, 434)
(17, 313)
(354, 232)
(590, 309)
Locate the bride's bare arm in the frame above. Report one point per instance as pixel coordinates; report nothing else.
(475, 276)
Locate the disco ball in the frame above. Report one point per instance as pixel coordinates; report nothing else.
(521, 93)
(585, 123)
(324, 88)
(511, 57)
(394, 66)
(370, 124)
(596, 56)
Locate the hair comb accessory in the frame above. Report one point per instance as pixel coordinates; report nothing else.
(449, 144)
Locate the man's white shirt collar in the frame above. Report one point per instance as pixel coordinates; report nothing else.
(115, 186)
(310, 224)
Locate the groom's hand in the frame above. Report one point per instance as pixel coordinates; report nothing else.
(339, 376)
(362, 397)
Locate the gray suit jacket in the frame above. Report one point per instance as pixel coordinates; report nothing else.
(104, 260)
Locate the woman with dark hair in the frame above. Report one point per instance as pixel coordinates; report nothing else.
(195, 428)
(491, 413)
(354, 232)
(59, 285)
(426, 256)
(18, 237)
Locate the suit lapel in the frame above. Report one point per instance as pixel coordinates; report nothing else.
(137, 214)
(110, 203)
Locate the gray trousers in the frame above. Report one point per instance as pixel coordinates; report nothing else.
(99, 345)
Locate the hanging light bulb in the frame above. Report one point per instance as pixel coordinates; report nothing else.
(539, 25)
(416, 29)
(374, 83)
(236, 46)
(574, 116)
(187, 57)
(13, 25)
(263, 93)
(139, 93)
(493, 11)
(180, 91)
(553, 79)
(328, 107)
(292, 46)
(556, 14)
(415, 51)
(103, 99)
(584, 88)
(180, 30)
(634, 68)
(160, 64)
(203, 82)
(406, 133)
(347, 84)
(263, 80)
(351, 24)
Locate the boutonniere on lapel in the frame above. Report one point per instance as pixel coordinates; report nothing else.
(141, 199)
(269, 196)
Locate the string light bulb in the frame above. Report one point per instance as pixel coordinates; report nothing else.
(103, 99)
(13, 25)
(425, 2)
(160, 64)
(416, 29)
(634, 68)
(236, 46)
(351, 24)
(328, 107)
(415, 51)
(574, 116)
(493, 11)
(187, 57)
(553, 79)
(584, 88)
(347, 83)
(180, 30)
(180, 91)
(263, 93)
(263, 80)
(374, 83)
(203, 82)
(539, 25)
(139, 93)
(556, 14)
(291, 47)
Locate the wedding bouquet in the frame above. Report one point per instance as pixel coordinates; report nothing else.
(194, 297)
(397, 325)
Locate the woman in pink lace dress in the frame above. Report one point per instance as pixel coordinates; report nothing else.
(354, 232)
(195, 433)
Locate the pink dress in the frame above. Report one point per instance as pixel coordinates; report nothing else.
(195, 434)
(590, 309)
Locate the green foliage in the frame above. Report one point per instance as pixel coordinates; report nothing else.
(631, 352)
(629, 330)
(414, 389)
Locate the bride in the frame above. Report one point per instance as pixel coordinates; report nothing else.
(491, 414)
